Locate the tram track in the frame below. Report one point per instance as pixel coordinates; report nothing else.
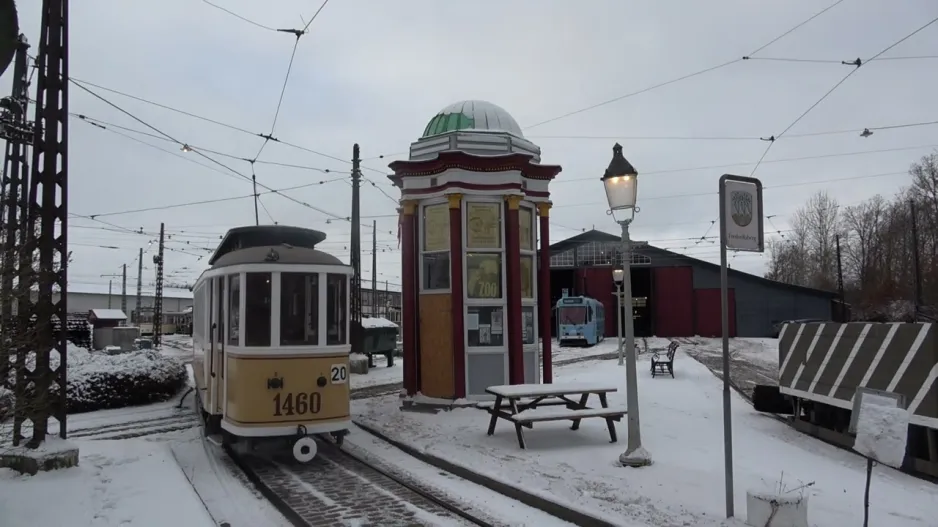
(341, 486)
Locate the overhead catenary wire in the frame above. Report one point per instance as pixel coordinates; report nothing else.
(215, 161)
(683, 77)
(111, 127)
(858, 64)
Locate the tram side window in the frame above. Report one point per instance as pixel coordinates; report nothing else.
(299, 309)
(234, 309)
(257, 309)
(336, 309)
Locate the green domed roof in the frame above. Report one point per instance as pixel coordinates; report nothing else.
(472, 115)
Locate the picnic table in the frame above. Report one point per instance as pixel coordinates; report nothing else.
(526, 404)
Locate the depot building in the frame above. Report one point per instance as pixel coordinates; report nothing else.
(674, 295)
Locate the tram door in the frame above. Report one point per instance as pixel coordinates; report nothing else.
(217, 345)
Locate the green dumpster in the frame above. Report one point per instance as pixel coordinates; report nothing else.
(380, 337)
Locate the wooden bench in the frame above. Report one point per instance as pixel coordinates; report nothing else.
(526, 404)
(664, 364)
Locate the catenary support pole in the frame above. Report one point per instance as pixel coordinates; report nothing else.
(356, 250)
(139, 286)
(916, 268)
(842, 310)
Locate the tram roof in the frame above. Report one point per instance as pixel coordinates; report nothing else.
(266, 236)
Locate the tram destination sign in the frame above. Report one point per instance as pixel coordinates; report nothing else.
(741, 214)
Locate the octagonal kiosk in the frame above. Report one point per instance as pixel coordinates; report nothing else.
(473, 195)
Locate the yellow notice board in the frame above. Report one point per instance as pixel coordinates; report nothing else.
(527, 276)
(436, 227)
(483, 225)
(526, 228)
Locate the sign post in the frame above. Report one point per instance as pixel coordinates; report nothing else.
(741, 229)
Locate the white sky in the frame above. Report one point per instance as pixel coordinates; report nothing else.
(375, 72)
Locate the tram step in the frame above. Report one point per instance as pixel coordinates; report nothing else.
(214, 439)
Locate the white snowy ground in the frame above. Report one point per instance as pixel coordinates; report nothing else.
(763, 352)
(682, 427)
(128, 482)
(504, 509)
(146, 481)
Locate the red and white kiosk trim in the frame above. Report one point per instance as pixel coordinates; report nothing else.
(472, 272)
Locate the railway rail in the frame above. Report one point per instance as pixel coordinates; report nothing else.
(339, 487)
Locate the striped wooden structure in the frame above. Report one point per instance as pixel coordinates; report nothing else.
(827, 362)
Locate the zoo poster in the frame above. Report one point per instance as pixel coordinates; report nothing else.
(484, 275)
(742, 215)
(483, 228)
(436, 227)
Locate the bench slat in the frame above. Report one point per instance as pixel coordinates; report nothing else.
(539, 390)
(560, 414)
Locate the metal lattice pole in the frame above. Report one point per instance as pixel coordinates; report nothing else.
(158, 297)
(46, 233)
(15, 129)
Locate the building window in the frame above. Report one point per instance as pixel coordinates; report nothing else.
(234, 309)
(257, 310)
(336, 309)
(434, 252)
(485, 326)
(528, 333)
(299, 309)
(484, 275)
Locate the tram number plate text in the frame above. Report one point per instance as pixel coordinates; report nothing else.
(339, 373)
(297, 403)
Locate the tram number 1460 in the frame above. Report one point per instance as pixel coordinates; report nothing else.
(297, 404)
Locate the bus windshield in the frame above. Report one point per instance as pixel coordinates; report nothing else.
(573, 315)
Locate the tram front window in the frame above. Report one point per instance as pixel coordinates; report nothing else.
(336, 309)
(299, 309)
(257, 309)
(573, 315)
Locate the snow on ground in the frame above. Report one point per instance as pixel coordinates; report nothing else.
(128, 482)
(752, 360)
(514, 513)
(225, 491)
(380, 374)
(682, 428)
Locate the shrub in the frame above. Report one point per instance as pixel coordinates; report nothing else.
(98, 381)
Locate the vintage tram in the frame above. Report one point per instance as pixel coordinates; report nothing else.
(271, 337)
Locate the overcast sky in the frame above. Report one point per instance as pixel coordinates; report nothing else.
(376, 71)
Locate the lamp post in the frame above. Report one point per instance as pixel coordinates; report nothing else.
(617, 275)
(621, 183)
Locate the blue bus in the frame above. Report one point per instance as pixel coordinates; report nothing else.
(580, 321)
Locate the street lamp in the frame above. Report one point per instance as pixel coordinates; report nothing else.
(621, 183)
(617, 275)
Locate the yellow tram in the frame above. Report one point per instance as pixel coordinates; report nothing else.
(271, 337)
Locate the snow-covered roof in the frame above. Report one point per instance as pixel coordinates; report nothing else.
(108, 314)
(101, 289)
(377, 322)
(472, 115)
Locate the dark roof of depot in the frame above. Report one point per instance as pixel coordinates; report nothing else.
(594, 235)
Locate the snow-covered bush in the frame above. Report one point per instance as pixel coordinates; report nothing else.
(98, 381)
